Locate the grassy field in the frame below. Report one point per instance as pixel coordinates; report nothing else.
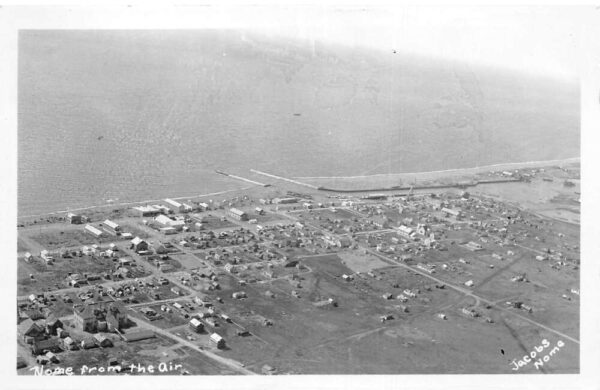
(351, 339)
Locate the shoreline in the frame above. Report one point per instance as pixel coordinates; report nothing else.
(569, 160)
(456, 170)
(129, 203)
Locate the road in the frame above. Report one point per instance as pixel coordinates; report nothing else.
(230, 363)
(460, 289)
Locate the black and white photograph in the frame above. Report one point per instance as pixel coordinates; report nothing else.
(300, 191)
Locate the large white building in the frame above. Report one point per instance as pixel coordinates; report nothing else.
(170, 223)
(238, 214)
(174, 205)
(93, 231)
(147, 211)
(111, 227)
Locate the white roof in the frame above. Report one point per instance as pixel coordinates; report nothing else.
(111, 224)
(195, 322)
(93, 230)
(136, 241)
(405, 229)
(450, 211)
(164, 220)
(215, 337)
(236, 211)
(173, 202)
(167, 229)
(146, 208)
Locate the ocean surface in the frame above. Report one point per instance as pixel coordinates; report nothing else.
(134, 115)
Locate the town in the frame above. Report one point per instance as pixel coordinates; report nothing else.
(284, 278)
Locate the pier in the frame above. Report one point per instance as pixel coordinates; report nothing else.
(285, 179)
(242, 178)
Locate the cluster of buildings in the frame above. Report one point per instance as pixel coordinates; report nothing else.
(100, 317)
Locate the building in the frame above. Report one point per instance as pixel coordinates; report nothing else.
(139, 245)
(239, 295)
(168, 230)
(147, 211)
(167, 222)
(340, 242)
(30, 331)
(196, 325)
(285, 200)
(473, 246)
(111, 227)
(218, 340)
(41, 347)
(381, 221)
(422, 229)
(406, 232)
(451, 212)
(426, 267)
(174, 206)
(52, 325)
(87, 316)
(237, 214)
(74, 219)
(469, 312)
(139, 335)
(163, 220)
(103, 341)
(375, 197)
(46, 256)
(88, 343)
(93, 231)
(69, 344)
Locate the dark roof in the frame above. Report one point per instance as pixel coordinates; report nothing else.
(26, 327)
(48, 344)
(52, 321)
(86, 311)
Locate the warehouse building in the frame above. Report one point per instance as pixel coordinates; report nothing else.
(217, 339)
(147, 211)
(93, 231)
(111, 227)
(167, 222)
(196, 325)
(451, 212)
(237, 214)
(285, 200)
(75, 219)
(174, 206)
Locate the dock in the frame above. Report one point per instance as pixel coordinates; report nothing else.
(242, 178)
(285, 179)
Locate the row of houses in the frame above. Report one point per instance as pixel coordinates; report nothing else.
(169, 206)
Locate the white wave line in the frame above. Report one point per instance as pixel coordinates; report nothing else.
(572, 159)
(131, 203)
